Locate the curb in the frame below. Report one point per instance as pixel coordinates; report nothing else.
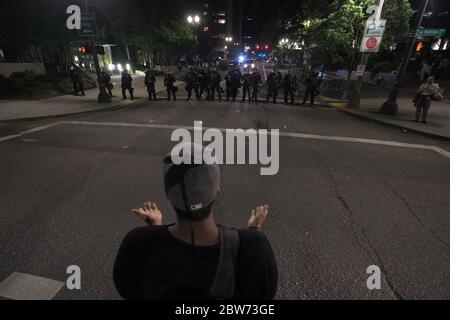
(133, 103)
(398, 126)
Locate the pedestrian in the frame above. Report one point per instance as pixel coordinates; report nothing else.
(427, 92)
(290, 87)
(256, 84)
(195, 258)
(150, 82)
(105, 81)
(216, 79)
(126, 84)
(247, 84)
(77, 81)
(312, 85)
(191, 80)
(169, 83)
(425, 71)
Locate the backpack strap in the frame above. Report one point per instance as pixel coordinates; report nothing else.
(224, 282)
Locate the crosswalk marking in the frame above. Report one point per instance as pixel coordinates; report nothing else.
(436, 149)
(23, 286)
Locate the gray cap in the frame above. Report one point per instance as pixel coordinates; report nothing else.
(191, 187)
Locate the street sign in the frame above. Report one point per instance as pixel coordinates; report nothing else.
(431, 32)
(370, 44)
(375, 28)
(373, 34)
(88, 25)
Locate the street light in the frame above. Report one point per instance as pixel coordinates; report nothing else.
(193, 19)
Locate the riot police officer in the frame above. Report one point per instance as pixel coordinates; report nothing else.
(215, 85)
(272, 86)
(150, 82)
(105, 81)
(169, 83)
(312, 85)
(290, 87)
(247, 83)
(191, 80)
(228, 84)
(203, 79)
(256, 84)
(126, 84)
(235, 83)
(75, 76)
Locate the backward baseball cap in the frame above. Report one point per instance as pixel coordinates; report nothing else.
(191, 187)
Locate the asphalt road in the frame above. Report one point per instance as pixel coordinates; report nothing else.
(336, 206)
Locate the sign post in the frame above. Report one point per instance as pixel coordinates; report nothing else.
(371, 41)
(89, 29)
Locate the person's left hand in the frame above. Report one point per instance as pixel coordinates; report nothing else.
(149, 213)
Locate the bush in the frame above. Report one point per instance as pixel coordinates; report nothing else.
(28, 84)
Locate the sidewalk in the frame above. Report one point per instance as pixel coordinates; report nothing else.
(438, 120)
(11, 110)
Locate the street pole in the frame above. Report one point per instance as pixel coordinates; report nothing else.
(390, 107)
(354, 100)
(103, 97)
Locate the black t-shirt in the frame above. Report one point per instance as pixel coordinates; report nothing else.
(152, 264)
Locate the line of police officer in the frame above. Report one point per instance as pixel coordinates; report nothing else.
(207, 82)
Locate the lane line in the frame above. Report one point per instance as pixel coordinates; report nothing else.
(388, 143)
(41, 128)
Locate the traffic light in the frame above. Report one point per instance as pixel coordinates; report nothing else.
(85, 49)
(266, 47)
(257, 47)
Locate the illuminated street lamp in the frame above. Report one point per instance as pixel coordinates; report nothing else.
(193, 19)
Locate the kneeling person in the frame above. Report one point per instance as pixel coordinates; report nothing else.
(194, 258)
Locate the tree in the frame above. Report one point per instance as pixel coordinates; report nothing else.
(332, 30)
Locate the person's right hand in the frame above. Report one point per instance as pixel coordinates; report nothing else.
(149, 213)
(258, 217)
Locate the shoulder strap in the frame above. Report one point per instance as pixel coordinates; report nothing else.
(224, 281)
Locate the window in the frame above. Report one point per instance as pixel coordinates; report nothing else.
(221, 21)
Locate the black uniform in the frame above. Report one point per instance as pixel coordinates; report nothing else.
(272, 87)
(247, 83)
(126, 84)
(228, 84)
(169, 81)
(290, 87)
(150, 82)
(105, 82)
(235, 83)
(215, 85)
(75, 76)
(312, 85)
(204, 83)
(191, 80)
(256, 83)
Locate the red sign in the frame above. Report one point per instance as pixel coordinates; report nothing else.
(371, 43)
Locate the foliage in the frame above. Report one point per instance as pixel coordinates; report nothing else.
(334, 32)
(30, 85)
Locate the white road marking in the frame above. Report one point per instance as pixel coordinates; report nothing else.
(13, 136)
(22, 286)
(436, 149)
